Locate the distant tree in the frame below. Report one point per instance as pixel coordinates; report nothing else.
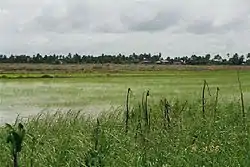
(217, 59)
(236, 60)
(194, 60)
(160, 55)
(248, 59)
(241, 60)
(76, 59)
(248, 56)
(122, 59)
(207, 57)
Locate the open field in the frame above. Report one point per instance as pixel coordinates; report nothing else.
(95, 92)
(111, 68)
(220, 138)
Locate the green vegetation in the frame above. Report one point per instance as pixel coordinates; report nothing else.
(15, 138)
(168, 118)
(134, 58)
(189, 139)
(102, 90)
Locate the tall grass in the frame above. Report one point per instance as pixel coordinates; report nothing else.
(127, 111)
(171, 133)
(241, 96)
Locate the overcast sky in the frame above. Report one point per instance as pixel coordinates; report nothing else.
(172, 27)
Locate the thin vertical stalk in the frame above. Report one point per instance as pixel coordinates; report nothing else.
(15, 162)
(165, 111)
(203, 99)
(127, 111)
(241, 96)
(181, 114)
(138, 126)
(216, 101)
(146, 130)
(164, 115)
(146, 112)
(149, 118)
(96, 133)
(167, 106)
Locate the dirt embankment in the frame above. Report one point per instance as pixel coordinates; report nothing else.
(88, 68)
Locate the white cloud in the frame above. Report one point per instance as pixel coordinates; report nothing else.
(173, 27)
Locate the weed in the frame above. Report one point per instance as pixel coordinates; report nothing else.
(15, 138)
(241, 96)
(127, 111)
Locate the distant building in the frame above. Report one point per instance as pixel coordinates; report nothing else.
(177, 63)
(163, 62)
(159, 62)
(146, 62)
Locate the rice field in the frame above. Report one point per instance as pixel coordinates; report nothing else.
(93, 93)
(187, 138)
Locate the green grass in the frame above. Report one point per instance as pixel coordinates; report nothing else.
(69, 139)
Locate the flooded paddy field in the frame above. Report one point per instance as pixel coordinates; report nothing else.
(95, 93)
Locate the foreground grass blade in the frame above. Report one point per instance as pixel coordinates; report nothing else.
(241, 96)
(127, 111)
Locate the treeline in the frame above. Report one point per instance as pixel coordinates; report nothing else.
(145, 58)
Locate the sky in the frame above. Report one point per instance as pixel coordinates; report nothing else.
(172, 27)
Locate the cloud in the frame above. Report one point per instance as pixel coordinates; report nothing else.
(150, 16)
(173, 27)
(207, 26)
(160, 21)
(84, 16)
(218, 17)
(60, 17)
(198, 17)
